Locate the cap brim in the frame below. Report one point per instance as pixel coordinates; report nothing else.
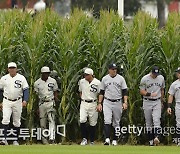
(112, 67)
(12, 67)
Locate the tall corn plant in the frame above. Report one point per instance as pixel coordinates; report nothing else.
(69, 45)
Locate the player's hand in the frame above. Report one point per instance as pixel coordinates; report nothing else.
(1, 106)
(24, 104)
(153, 94)
(99, 108)
(125, 106)
(169, 110)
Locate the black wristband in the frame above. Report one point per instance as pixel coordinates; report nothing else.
(148, 94)
(169, 105)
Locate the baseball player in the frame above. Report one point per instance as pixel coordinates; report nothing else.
(16, 93)
(152, 89)
(114, 92)
(89, 88)
(47, 91)
(174, 92)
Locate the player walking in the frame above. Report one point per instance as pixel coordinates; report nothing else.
(174, 92)
(114, 92)
(89, 88)
(47, 90)
(16, 93)
(152, 89)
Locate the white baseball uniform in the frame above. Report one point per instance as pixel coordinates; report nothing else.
(12, 102)
(45, 91)
(88, 105)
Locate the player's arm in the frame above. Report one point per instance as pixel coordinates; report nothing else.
(171, 93)
(170, 100)
(55, 89)
(80, 94)
(25, 96)
(143, 90)
(101, 96)
(80, 89)
(125, 98)
(162, 95)
(56, 95)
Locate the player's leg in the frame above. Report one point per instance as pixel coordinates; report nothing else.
(51, 120)
(93, 116)
(43, 120)
(83, 120)
(17, 110)
(177, 113)
(107, 111)
(117, 113)
(148, 118)
(7, 111)
(157, 121)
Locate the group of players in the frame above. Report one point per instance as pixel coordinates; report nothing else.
(109, 95)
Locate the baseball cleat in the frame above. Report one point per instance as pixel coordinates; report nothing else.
(52, 142)
(114, 142)
(91, 143)
(15, 143)
(107, 141)
(4, 142)
(156, 141)
(44, 141)
(151, 143)
(178, 145)
(84, 141)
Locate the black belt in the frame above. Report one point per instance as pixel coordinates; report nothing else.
(13, 100)
(113, 100)
(149, 99)
(47, 100)
(89, 101)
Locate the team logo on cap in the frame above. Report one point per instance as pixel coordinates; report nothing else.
(156, 71)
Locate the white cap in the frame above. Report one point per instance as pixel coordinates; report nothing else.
(12, 64)
(45, 69)
(89, 71)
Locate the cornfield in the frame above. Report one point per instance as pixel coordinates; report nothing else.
(69, 45)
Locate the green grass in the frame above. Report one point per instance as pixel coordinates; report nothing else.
(96, 149)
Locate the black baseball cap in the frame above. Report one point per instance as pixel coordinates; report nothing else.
(177, 70)
(155, 70)
(113, 66)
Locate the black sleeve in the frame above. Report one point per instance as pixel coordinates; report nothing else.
(1, 95)
(124, 92)
(102, 92)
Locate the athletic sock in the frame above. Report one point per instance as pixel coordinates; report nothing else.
(83, 130)
(5, 127)
(17, 132)
(107, 129)
(115, 137)
(157, 132)
(92, 131)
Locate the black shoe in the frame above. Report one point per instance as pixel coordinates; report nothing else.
(52, 142)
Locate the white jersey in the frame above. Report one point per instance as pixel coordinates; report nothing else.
(13, 86)
(45, 89)
(174, 90)
(91, 90)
